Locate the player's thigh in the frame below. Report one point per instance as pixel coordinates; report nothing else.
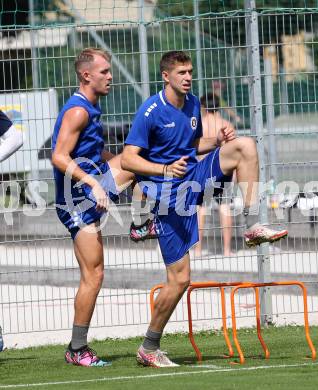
(179, 272)
(122, 178)
(88, 247)
(232, 152)
(230, 156)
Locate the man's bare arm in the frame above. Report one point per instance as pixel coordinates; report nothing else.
(133, 162)
(74, 121)
(205, 145)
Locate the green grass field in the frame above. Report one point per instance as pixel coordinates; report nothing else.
(287, 368)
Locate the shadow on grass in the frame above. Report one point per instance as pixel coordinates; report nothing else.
(206, 359)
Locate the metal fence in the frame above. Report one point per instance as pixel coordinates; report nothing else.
(260, 60)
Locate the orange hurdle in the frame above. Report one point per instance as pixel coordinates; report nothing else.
(152, 294)
(255, 287)
(198, 285)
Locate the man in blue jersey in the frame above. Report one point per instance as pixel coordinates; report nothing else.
(11, 140)
(86, 177)
(161, 150)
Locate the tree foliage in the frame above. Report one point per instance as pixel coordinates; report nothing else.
(276, 18)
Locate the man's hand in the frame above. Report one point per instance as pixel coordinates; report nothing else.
(226, 134)
(178, 168)
(101, 198)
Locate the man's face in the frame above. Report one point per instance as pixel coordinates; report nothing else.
(99, 76)
(179, 77)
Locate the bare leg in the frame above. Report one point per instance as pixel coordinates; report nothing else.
(122, 178)
(241, 154)
(88, 249)
(226, 225)
(140, 209)
(125, 178)
(144, 227)
(178, 279)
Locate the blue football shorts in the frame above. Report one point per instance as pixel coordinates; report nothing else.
(82, 212)
(178, 230)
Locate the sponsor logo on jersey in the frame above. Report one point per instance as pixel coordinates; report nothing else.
(172, 124)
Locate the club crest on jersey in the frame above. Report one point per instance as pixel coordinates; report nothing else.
(194, 123)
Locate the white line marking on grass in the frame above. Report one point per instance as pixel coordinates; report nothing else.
(167, 374)
(204, 366)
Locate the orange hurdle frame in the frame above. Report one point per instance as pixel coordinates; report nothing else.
(198, 285)
(221, 286)
(236, 286)
(152, 294)
(255, 287)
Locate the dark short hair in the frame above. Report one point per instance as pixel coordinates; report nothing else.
(86, 56)
(170, 58)
(210, 102)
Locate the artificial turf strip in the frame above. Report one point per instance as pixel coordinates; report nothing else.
(287, 345)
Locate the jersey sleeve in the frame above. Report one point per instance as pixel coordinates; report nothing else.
(140, 130)
(5, 123)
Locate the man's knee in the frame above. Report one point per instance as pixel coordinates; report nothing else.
(94, 278)
(99, 278)
(246, 145)
(178, 276)
(182, 283)
(231, 153)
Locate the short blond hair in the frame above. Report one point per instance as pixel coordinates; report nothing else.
(86, 56)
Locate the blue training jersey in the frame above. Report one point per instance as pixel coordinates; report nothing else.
(166, 133)
(89, 146)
